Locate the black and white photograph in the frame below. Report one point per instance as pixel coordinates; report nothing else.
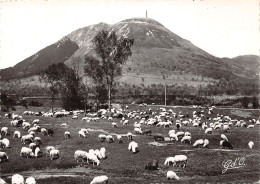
(129, 91)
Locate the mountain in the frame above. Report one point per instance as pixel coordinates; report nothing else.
(159, 56)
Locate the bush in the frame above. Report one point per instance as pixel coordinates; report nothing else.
(4, 109)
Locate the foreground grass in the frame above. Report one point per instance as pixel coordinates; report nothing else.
(121, 166)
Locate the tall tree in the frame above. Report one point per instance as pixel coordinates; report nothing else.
(106, 66)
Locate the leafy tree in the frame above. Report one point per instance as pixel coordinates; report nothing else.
(106, 66)
(8, 102)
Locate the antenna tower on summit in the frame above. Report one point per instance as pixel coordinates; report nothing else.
(146, 13)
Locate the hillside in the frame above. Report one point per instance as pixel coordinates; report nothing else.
(159, 56)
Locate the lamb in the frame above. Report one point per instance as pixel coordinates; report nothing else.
(172, 176)
(17, 134)
(28, 138)
(198, 143)
(226, 145)
(48, 150)
(133, 146)
(129, 136)
(3, 157)
(101, 138)
(5, 143)
(103, 152)
(119, 138)
(4, 131)
(114, 125)
(206, 143)
(30, 180)
(138, 131)
(209, 130)
(186, 139)
(17, 179)
(147, 131)
(109, 138)
(152, 165)
(100, 180)
(251, 144)
(54, 154)
(26, 152)
(224, 137)
(67, 135)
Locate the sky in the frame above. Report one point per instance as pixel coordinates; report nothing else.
(224, 28)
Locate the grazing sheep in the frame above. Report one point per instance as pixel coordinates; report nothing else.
(109, 138)
(129, 136)
(171, 131)
(226, 128)
(75, 117)
(137, 125)
(17, 179)
(173, 137)
(48, 150)
(152, 165)
(133, 146)
(180, 161)
(114, 125)
(125, 122)
(98, 154)
(147, 131)
(169, 161)
(100, 180)
(198, 143)
(26, 152)
(33, 146)
(30, 180)
(4, 131)
(103, 152)
(226, 145)
(3, 157)
(17, 134)
(224, 137)
(82, 134)
(36, 121)
(67, 135)
(5, 143)
(80, 155)
(14, 123)
(178, 126)
(138, 131)
(209, 130)
(34, 129)
(172, 176)
(26, 125)
(101, 138)
(186, 139)
(54, 154)
(251, 144)
(206, 143)
(93, 158)
(37, 140)
(250, 126)
(26, 138)
(36, 152)
(180, 135)
(119, 138)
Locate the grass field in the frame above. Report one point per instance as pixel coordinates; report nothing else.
(121, 166)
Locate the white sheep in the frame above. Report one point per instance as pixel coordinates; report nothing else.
(169, 161)
(27, 152)
(109, 138)
(206, 143)
(67, 135)
(103, 152)
(129, 136)
(137, 125)
(4, 131)
(186, 139)
(36, 152)
(48, 150)
(5, 143)
(173, 137)
(17, 179)
(138, 131)
(98, 154)
(180, 160)
(25, 138)
(79, 154)
(54, 154)
(37, 140)
(251, 144)
(250, 126)
(93, 158)
(100, 180)
(114, 125)
(82, 134)
(26, 125)
(3, 157)
(36, 121)
(125, 122)
(198, 143)
(119, 138)
(2, 181)
(171, 131)
(187, 134)
(209, 130)
(17, 134)
(180, 134)
(133, 146)
(172, 176)
(101, 137)
(224, 137)
(30, 180)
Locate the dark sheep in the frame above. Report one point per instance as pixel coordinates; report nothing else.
(20, 122)
(158, 138)
(50, 132)
(152, 165)
(147, 131)
(178, 126)
(226, 145)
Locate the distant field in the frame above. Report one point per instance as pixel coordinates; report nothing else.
(121, 166)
